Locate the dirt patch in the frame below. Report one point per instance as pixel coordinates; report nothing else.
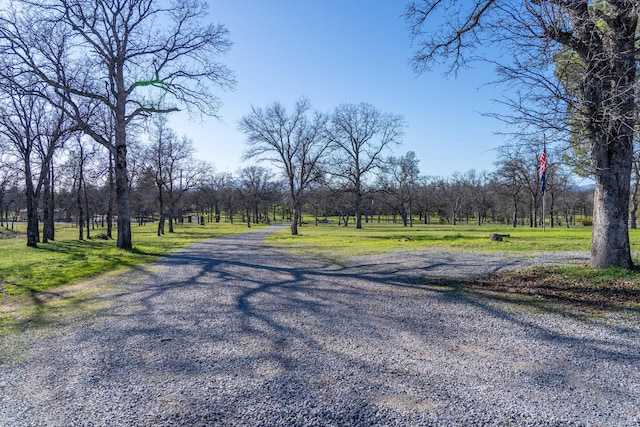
(551, 286)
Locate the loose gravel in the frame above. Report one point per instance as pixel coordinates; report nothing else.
(233, 332)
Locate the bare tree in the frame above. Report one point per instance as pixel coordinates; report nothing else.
(604, 38)
(453, 194)
(477, 185)
(34, 130)
(131, 57)
(361, 133)
(174, 170)
(295, 143)
(214, 189)
(509, 185)
(252, 186)
(8, 180)
(520, 164)
(401, 182)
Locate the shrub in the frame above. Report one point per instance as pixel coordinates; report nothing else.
(587, 222)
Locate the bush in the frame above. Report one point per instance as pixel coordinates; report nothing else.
(587, 222)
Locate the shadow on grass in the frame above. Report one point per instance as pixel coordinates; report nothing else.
(547, 290)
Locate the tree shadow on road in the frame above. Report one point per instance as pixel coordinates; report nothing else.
(232, 329)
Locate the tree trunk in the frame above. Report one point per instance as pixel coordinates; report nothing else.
(632, 215)
(161, 212)
(609, 99)
(358, 218)
(88, 212)
(47, 213)
(110, 205)
(120, 159)
(33, 234)
(79, 200)
(610, 238)
(122, 193)
(32, 218)
(294, 223)
(358, 203)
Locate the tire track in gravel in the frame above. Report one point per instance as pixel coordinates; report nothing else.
(231, 331)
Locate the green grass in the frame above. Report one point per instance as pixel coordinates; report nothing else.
(570, 290)
(335, 242)
(45, 287)
(31, 279)
(25, 270)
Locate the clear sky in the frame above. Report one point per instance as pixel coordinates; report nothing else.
(346, 51)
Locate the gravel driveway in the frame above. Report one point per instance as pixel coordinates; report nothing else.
(233, 332)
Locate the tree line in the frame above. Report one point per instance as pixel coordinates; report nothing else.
(74, 69)
(101, 69)
(168, 185)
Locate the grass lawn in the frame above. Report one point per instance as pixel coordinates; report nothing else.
(331, 240)
(575, 290)
(42, 287)
(28, 276)
(25, 270)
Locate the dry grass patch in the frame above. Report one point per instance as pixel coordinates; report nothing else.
(577, 290)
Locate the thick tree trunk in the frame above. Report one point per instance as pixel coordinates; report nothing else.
(110, 205)
(122, 199)
(609, 98)
(610, 239)
(358, 218)
(358, 202)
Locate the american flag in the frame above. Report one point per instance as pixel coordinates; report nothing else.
(543, 170)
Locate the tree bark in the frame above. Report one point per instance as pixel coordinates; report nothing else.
(610, 238)
(122, 179)
(609, 101)
(294, 222)
(87, 210)
(110, 205)
(122, 192)
(47, 211)
(79, 199)
(633, 222)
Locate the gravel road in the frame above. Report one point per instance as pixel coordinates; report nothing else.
(233, 332)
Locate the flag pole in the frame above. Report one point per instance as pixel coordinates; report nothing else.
(544, 223)
(543, 177)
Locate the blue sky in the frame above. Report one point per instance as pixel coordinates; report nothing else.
(346, 51)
